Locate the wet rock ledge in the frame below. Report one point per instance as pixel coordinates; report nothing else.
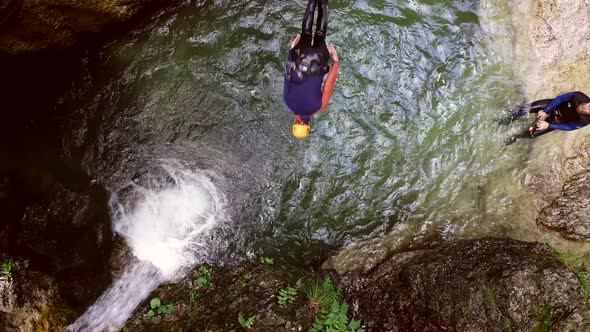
(558, 61)
(469, 285)
(52, 25)
(55, 244)
(476, 285)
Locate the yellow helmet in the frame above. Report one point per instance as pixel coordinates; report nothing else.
(301, 129)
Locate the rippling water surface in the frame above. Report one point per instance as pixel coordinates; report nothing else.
(409, 143)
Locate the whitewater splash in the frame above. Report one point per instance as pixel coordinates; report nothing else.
(167, 230)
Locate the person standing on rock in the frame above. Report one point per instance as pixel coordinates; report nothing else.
(569, 111)
(306, 67)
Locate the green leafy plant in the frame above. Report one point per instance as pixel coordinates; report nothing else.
(193, 296)
(355, 326)
(6, 269)
(204, 280)
(585, 285)
(335, 318)
(332, 310)
(288, 295)
(247, 323)
(159, 310)
(323, 293)
(266, 260)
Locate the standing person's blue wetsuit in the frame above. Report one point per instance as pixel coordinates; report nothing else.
(569, 111)
(306, 66)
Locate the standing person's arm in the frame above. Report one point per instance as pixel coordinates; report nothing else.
(558, 101)
(543, 125)
(566, 126)
(331, 80)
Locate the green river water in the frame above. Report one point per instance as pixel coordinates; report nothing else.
(410, 145)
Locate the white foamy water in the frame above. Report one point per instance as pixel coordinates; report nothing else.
(166, 230)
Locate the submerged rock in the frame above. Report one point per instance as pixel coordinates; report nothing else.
(39, 25)
(470, 285)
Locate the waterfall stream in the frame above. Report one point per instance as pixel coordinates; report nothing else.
(166, 228)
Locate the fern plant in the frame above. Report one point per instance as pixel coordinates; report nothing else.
(585, 285)
(333, 311)
(335, 319)
(288, 295)
(247, 323)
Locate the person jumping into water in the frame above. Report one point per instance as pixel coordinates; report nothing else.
(569, 111)
(306, 66)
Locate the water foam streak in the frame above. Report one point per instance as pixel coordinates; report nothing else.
(115, 305)
(167, 230)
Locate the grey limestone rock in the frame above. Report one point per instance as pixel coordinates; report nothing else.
(570, 212)
(34, 304)
(7, 295)
(470, 285)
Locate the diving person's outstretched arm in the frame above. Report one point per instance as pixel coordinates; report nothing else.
(331, 80)
(295, 40)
